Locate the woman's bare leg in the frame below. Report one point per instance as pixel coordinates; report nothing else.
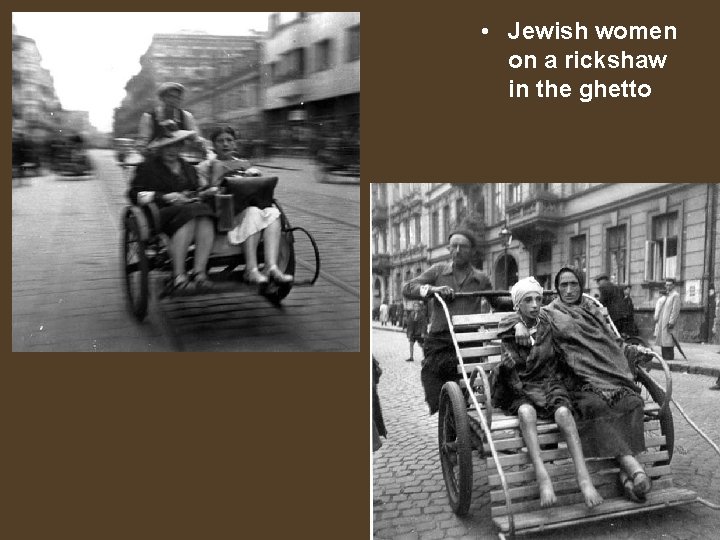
(566, 423)
(528, 426)
(272, 243)
(250, 248)
(204, 237)
(179, 245)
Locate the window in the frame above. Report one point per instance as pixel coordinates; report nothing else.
(323, 55)
(396, 237)
(446, 221)
(406, 224)
(417, 230)
(376, 244)
(459, 209)
(353, 43)
(514, 193)
(496, 209)
(434, 228)
(616, 250)
(661, 251)
(578, 256)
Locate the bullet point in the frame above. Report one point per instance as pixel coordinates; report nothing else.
(484, 31)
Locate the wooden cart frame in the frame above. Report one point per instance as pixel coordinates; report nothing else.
(144, 250)
(469, 424)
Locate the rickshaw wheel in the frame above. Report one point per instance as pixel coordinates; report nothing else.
(136, 267)
(455, 448)
(667, 428)
(286, 262)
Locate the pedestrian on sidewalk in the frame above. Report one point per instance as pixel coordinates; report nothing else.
(416, 327)
(612, 298)
(445, 279)
(384, 313)
(667, 311)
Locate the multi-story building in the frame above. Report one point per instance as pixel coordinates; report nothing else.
(200, 62)
(312, 60)
(35, 105)
(638, 233)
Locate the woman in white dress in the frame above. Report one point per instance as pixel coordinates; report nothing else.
(253, 222)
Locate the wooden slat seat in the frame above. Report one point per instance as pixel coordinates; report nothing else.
(558, 516)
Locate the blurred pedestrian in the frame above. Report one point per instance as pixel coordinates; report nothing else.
(612, 298)
(632, 328)
(666, 314)
(393, 313)
(384, 313)
(153, 123)
(716, 386)
(378, 426)
(416, 327)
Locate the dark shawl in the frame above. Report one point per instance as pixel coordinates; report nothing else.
(578, 336)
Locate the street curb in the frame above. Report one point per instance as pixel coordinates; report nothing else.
(684, 367)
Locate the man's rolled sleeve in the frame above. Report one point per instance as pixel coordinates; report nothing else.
(412, 288)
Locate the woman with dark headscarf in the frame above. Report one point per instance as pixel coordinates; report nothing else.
(573, 337)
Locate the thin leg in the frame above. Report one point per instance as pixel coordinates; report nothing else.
(528, 426)
(566, 423)
(412, 349)
(635, 471)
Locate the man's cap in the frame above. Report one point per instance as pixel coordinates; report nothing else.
(467, 233)
(165, 87)
(671, 280)
(602, 275)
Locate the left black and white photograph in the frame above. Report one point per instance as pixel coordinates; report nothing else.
(185, 182)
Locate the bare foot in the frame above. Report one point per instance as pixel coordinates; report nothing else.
(547, 493)
(592, 497)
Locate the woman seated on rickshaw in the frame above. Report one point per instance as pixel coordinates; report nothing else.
(546, 398)
(574, 344)
(253, 222)
(166, 179)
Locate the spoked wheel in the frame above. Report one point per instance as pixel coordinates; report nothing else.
(455, 448)
(135, 266)
(667, 428)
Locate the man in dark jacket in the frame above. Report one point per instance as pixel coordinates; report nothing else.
(611, 297)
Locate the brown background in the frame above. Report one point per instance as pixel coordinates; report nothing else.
(276, 446)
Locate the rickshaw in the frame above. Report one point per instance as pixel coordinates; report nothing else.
(70, 157)
(468, 424)
(145, 249)
(338, 161)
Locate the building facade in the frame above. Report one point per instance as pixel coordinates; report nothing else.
(639, 234)
(200, 62)
(35, 105)
(312, 65)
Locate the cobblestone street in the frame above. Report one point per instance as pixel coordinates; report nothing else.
(409, 491)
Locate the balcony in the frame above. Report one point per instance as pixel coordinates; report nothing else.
(409, 255)
(535, 219)
(379, 214)
(381, 263)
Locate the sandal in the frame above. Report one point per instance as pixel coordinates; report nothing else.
(642, 487)
(275, 273)
(255, 277)
(628, 487)
(178, 286)
(201, 281)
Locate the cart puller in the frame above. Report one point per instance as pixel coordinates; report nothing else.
(446, 279)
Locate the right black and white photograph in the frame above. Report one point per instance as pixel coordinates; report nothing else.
(546, 359)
